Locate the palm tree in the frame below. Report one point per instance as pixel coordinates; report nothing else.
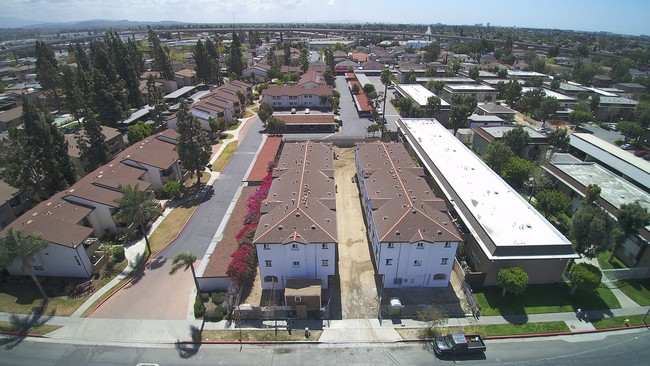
(16, 247)
(136, 206)
(185, 260)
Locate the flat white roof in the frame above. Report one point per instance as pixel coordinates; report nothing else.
(180, 92)
(503, 214)
(549, 93)
(635, 168)
(418, 93)
(613, 188)
(138, 114)
(470, 87)
(600, 91)
(524, 73)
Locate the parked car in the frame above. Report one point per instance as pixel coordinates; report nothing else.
(307, 111)
(628, 147)
(646, 156)
(458, 344)
(640, 153)
(391, 86)
(293, 110)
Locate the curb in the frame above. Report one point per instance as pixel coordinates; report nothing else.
(252, 342)
(539, 335)
(24, 334)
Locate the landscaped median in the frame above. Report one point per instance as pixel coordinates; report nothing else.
(265, 335)
(26, 329)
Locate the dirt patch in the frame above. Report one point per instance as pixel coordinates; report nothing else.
(358, 292)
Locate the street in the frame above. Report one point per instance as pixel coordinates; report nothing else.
(630, 347)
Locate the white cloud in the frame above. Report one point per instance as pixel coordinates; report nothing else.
(331, 2)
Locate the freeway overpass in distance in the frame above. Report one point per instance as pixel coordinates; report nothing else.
(58, 43)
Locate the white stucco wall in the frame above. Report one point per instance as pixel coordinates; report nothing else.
(57, 260)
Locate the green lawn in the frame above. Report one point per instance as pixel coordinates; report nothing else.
(18, 294)
(234, 127)
(21, 328)
(512, 329)
(637, 290)
(225, 155)
(604, 264)
(617, 321)
(539, 299)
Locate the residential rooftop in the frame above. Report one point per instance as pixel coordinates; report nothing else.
(301, 203)
(502, 222)
(469, 87)
(418, 93)
(405, 208)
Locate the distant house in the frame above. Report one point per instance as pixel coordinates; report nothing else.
(614, 108)
(10, 118)
(359, 56)
(340, 55)
(185, 77)
(485, 135)
(630, 90)
(420, 95)
(311, 79)
(313, 122)
(290, 69)
(482, 93)
(345, 66)
(257, 72)
(297, 96)
(220, 102)
(297, 234)
(13, 203)
(412, 238)
(317, 66)
(495, 109)
(114, 141)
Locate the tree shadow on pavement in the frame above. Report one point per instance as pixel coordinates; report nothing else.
(23, 324)
(156, 263)
(190, 349)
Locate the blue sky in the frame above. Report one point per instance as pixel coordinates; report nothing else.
(622, 16)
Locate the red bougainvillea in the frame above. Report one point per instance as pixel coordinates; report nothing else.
(242, 267)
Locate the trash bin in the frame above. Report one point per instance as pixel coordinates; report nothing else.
(395, 310)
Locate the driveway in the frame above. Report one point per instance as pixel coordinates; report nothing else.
(154, 294)
(356, 272)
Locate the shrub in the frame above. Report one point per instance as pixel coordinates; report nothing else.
(242, 267)
(198, 308)
(173, 189)
(205, 296)
(215, 315)
(118, 253)
(218, 297)
(585, 276)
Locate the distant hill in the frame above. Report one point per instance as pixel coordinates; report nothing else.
(16, 23)
(85, 24)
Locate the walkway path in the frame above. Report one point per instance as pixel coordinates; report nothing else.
(356, 272)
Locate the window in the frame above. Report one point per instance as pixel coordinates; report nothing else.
(447, 244)
(420, 245)
(389, 262)
(272, 279)
(38, 268)
(444, 261)
(326, 262)
(267, 247)
(323, 246)
(298, 299)
(417, 262)
(294, 246)
(397, 281)
(268, 263)
(296, 264)
(391, 245)
(439, 276)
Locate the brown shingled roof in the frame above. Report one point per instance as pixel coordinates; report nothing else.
(407, 210)
(298, 205)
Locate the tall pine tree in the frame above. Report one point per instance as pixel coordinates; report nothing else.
(72, 100)
(39, 161)
(125, 69)
(108, 100)
(193, 143)
(47, 72)
(235, 62)
(212, 48)
(92, 143)
(202, 62)
(161, 60)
